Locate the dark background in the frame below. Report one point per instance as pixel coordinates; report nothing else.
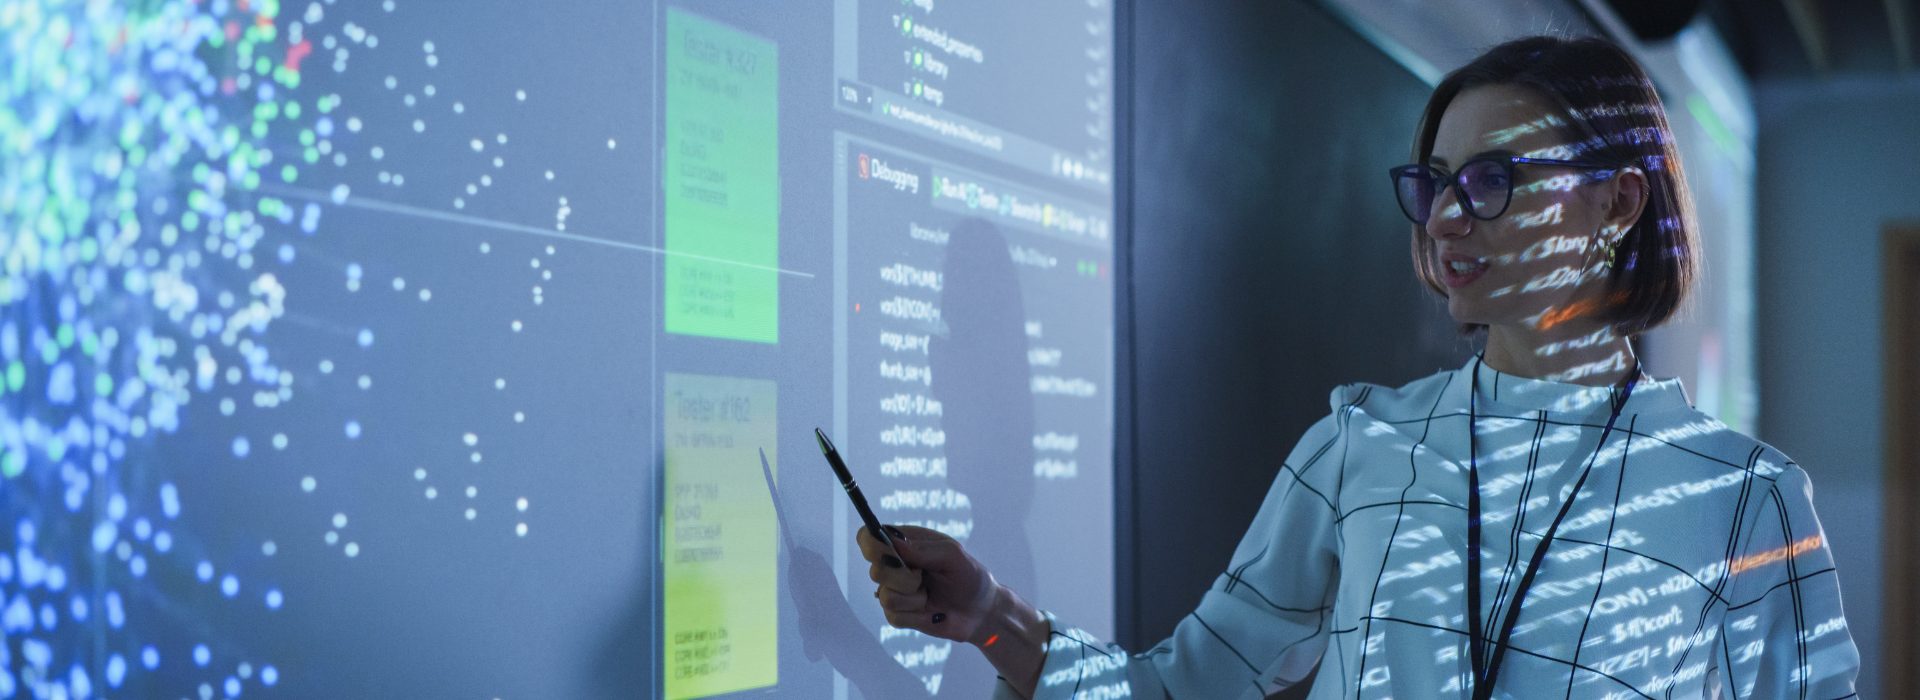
(1269, 264)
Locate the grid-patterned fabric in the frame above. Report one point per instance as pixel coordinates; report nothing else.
(1690, 564)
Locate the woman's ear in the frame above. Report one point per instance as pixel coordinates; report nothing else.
(1623, 198)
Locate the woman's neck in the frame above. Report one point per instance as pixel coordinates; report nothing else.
(1591, 356)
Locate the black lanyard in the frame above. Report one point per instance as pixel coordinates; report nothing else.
(1486, 668)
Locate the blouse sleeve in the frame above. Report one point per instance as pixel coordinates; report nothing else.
(1785, 634)
(1260, 628)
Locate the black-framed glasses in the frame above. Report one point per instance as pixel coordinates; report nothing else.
(1484, 185)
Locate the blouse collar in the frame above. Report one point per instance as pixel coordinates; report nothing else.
(1499, 390)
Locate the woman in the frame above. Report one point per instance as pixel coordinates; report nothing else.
(1544, 521)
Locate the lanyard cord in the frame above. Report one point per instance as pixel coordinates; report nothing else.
(1485, 669)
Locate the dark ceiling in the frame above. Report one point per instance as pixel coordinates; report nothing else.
(1817, 38)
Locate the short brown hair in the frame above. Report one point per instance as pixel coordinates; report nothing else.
(1616, 119)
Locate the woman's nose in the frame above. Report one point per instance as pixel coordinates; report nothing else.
(1447, 219)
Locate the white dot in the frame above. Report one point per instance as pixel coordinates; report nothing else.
(353, 549)
(516, 326)
(432, 493)
(549, 174)
(459, 203)
(332, 537)
(391, 82)
(499, 383)
(484, 248)
(501, 139)
(471, 514)
(520, 95)
(486, 180)
(425, 295)
(459, 108)
(388, 5)
(476, 457)
(399, 284)
(268, 548)
(308, 484)
(535, 262)
(546, 274)
(521, 504)
(419, 475)
(471, 189)
(366, 382)
(473, 491)
(550, 248)
(353, 124)
(428, 89)
(471, 439)
(498, 161)
(399, 179)
(428, 47)
(419, 126)
(477, 145)
(226, 407)
(520, 529)
(519, 417)
(279, 441)
(326, 366)
(377, 154)
(339, 519)
(609, 144)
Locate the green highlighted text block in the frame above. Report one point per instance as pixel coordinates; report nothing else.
(722, 182)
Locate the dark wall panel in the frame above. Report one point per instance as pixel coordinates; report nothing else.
(1269, 264)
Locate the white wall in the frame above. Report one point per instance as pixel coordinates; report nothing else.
(1837, 160)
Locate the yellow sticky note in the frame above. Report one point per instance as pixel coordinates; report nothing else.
(721, 562)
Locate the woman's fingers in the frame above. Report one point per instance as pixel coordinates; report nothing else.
(894, 601)
(898, 578)
(921, 620)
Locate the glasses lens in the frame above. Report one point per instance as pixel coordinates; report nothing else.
(1488, 186)
(1414, 185)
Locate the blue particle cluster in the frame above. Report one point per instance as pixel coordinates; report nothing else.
(140, 145)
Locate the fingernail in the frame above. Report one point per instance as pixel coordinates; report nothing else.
(891, 561)
(894, 531)
(939, 618)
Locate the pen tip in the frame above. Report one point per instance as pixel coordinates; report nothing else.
(821, 438)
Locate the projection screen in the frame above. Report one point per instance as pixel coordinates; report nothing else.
(396, 348)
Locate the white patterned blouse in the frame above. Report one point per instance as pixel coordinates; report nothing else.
(1688, 565)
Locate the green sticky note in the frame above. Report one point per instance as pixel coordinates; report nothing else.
(721, 177)
(720, 623)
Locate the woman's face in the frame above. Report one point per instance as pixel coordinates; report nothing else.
(1543, 263)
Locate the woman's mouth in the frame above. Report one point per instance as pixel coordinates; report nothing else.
(1459, 270)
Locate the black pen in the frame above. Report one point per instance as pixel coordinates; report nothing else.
(853, 490)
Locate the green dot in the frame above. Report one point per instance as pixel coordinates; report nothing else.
(289, 173)
(259, 130)
(16, 462)
(306, 136)
(311, 154)
(251, 181)
(64, 335)
(56, 448)
(102, 384)
(201, 172)
(261, 65)
(90, 344)
(190, 221)
(293, 110)
(16, 375)
(89, 249)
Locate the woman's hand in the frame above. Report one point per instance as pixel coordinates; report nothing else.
(929, 583)
(933, 585)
